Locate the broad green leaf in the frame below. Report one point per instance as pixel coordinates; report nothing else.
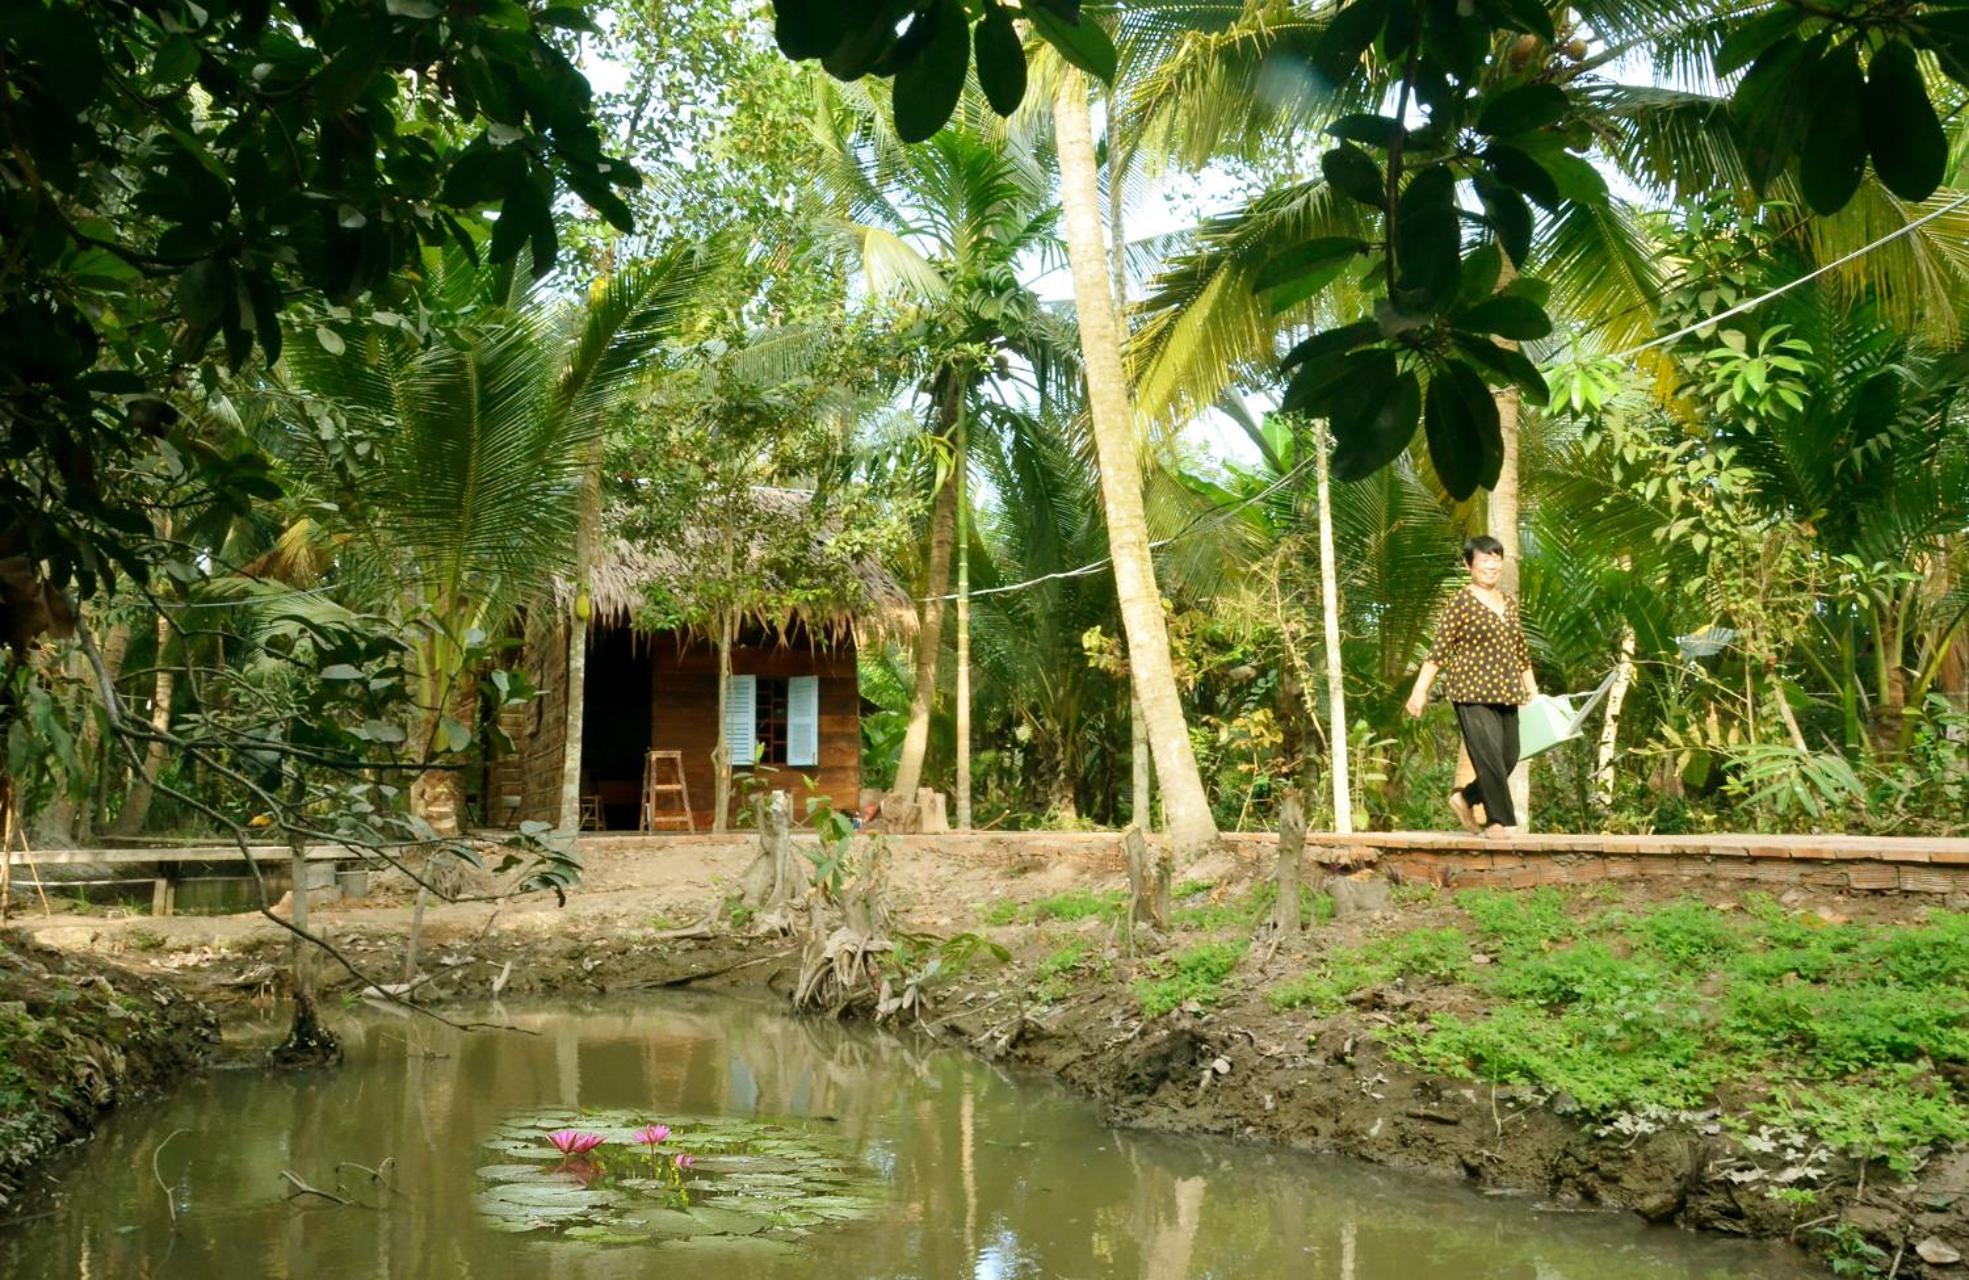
(568, 17)
(1331, 342)
(1481, 268)
(1456, 447)
(1347, 36)
(1505, 365)
(1515, 168)
(1773, 105)
(1508, 214)
(1529, 16)
(928, 85)
(809, 28)
(1910, 151)
(1833, 160)
(1747, 40)
(1300, 272)
(1373, 420)
(176, 60)
(1520, 110)
(1429, 240)
(1084, 43)
(1001, 60)
(1352, 172)
(203, 290)
(1375, 131)
(1518, 319)
(452, 736)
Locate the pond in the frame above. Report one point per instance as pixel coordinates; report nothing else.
(817, 1150)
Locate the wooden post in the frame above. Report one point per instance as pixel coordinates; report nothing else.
(163, 896)
(1291, 846)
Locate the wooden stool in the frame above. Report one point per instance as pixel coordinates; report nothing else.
(654, 787)
(591, 813)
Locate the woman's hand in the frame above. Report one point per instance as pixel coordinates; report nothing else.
(1415, 704)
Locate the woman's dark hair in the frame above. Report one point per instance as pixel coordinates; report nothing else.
(1482, 544)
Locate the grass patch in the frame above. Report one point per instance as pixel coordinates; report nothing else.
(1434, 953)
(1195, 973)
(1074, 904)
(1205, 916)
(1053, 979)
(1840, 1026)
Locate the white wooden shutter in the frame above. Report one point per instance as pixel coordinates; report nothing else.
(741, 723)
(803, 720)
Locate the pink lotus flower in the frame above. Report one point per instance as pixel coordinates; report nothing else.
(573, 1142)
(685, 1161)
(652, 1134)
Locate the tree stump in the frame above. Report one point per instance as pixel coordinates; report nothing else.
(1362, 893)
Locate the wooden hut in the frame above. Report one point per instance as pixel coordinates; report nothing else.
(792, 709)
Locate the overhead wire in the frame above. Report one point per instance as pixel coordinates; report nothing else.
(1195, 524)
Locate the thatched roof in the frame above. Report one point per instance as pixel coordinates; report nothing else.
(875, 604)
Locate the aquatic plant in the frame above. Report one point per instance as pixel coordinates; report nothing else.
(745, 1189)
(574, 1142)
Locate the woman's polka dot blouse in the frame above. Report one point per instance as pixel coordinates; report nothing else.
(1482, 656)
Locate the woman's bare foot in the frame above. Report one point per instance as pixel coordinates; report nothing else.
(1459, 806)
(1496, 832)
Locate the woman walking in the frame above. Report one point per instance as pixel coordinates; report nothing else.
(1480, 649)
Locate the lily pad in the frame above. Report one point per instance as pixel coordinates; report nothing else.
(730, 1248)
(756, 1188)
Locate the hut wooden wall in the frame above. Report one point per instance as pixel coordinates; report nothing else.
(684, 714)
(684, 717)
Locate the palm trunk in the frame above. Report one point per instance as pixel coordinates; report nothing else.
(721, 756)
(1141, 802)
(67, 819)
(929, 641)
(1623, 680)
(587, 537)
(962, 500)
(1140, 769)
(438, 795)
(1502, 519)
(574, 721)
(136, 806)
(1336, 685)
(1191, 826)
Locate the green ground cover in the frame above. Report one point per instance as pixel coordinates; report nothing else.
(1853, 1033)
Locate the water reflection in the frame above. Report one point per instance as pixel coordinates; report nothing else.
(988, 1176)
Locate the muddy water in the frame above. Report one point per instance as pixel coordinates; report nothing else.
(973, 1174)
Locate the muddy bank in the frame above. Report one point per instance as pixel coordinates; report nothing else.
(1108, 1014)
(80, 1034)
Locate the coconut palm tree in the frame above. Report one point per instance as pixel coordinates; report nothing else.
(1110, 407)
(943, 229)
(443, 480)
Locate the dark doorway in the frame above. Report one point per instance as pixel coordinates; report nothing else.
(615, 723)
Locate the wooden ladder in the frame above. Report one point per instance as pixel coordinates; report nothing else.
(654, 814)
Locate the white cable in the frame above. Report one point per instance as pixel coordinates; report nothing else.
(1759, 301)
(1095, 566)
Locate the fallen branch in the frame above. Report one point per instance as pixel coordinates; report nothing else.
(170, 1200)
(301, 1188)
(684, 980)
